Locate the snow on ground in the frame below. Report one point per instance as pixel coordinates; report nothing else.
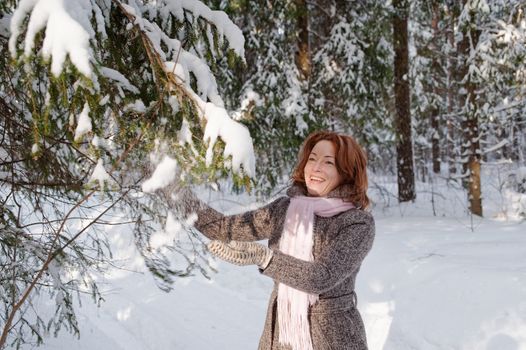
(430, 282)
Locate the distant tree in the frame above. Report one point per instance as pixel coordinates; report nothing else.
(468, 67)
(437, 88)
(404, 148)
(429, 83)
(351, 84)
(467, 96)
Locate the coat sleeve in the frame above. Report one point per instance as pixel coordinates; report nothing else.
(339, 259)
(249, 226)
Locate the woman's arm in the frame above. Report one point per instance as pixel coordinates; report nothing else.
(253, 225)
(337, 261)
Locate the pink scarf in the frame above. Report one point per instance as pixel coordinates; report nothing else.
(297, 241)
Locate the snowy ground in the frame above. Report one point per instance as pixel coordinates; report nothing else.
(430, 282)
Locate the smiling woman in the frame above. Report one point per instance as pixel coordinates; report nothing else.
(321, 174)
(318, 236)
(327, 160)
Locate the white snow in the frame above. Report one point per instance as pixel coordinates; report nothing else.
(446, 287)
(137, 106)
(100, 142)
(249, 98)
(168, 235)
(238, 143)
(185, 135)
(23, 9)
(35, 148)
(4, 25)
(83, 123)
(429, 283)
(163, 174)
(174, 103)
(119, 78)
(499, 145)
(99, 174)
(186, 62)
(178, 70)
(104, 100)
(55, 16)
(96, 141)
(206, 82)
(223, 24)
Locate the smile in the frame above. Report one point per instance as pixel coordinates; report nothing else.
(316, 179)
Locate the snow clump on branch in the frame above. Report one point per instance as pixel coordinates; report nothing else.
(69, 32)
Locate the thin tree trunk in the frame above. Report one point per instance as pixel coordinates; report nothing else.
(404, 148)
(435, 66)
(470, 145)
(450, 143)
(472, 149)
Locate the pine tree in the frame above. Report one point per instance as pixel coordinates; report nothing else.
(489, 59)
(478, 48)
(95, 97)
(352, 72)
(470, 116)
(428, 75)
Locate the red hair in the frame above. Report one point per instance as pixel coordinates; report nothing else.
(351, 164)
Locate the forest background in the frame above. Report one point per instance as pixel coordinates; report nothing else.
(97, 96)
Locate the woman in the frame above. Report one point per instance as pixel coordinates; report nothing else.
(318, 236)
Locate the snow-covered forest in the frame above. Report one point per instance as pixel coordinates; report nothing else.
(109, 109)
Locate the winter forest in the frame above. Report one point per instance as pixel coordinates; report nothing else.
(109, 109)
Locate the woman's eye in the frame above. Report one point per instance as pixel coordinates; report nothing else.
(329, 162)
(311, 159)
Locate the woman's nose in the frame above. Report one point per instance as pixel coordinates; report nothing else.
(317, 166)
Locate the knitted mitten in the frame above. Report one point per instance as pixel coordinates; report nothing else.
(241, 253)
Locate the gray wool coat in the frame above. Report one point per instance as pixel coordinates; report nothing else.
(341, 242)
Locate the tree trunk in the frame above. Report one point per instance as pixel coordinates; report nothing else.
(435, 66)
(450, 138)
(471, 153)
(303, 56)
(404, 147)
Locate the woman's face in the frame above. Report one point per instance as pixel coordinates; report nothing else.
(321, 175)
